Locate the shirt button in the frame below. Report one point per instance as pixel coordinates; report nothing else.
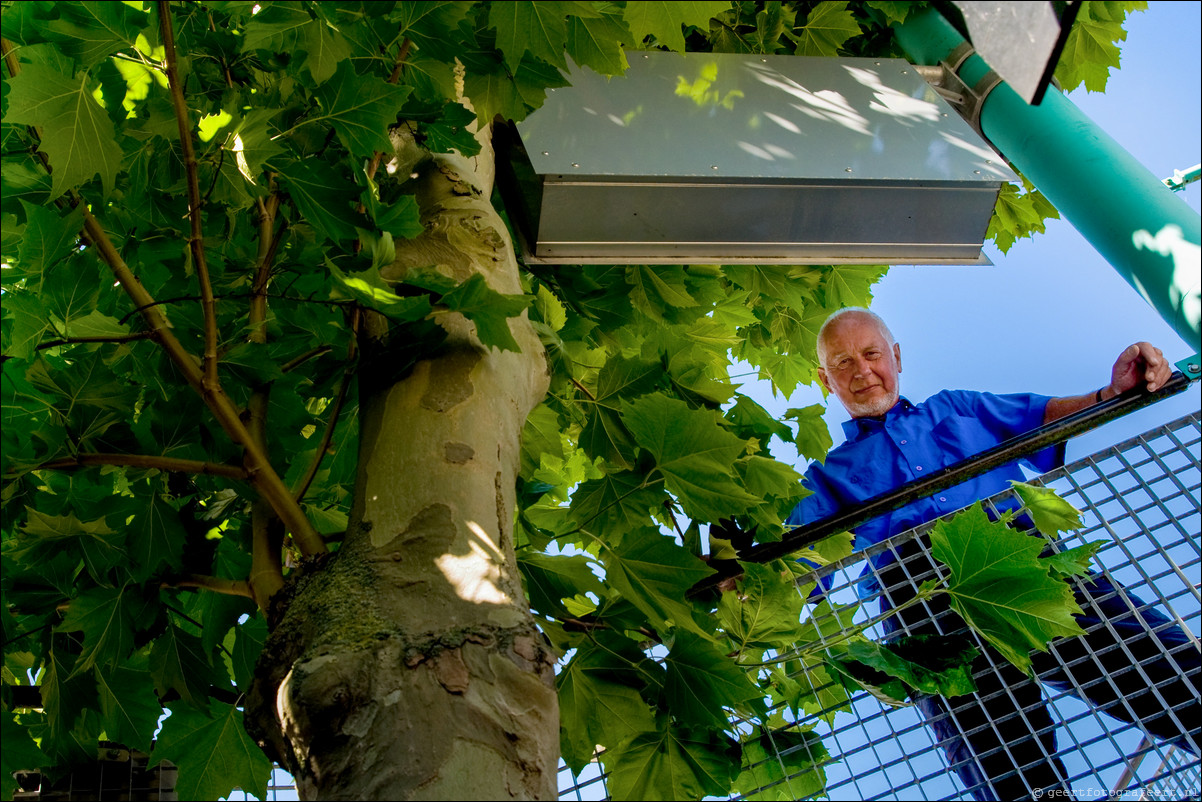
(918, 467)
(903, 442)
(943, 498)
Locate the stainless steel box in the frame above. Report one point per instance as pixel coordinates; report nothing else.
(724, 158)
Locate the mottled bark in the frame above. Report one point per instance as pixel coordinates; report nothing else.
(407, 665)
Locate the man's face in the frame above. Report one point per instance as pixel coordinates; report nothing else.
(861, 367)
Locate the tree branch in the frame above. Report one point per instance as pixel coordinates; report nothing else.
(582, 388)
(239, 295)
(226, 587)
(196, 238)
(392, 79)
(580, 625)
(297, 361)
(170, 464)
(302, 487)
(144, 335)
(259, 470)
(266, 572)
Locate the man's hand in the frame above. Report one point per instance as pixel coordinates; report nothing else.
(1141, 362)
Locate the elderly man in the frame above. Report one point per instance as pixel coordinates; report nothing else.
(1000, 741)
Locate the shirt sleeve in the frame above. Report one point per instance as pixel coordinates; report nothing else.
(1008, 416)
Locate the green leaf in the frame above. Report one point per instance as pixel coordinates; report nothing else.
(288, 28)
(663, 20)
(826, 29)
(552, 578)
(694, 453)
(108, 619)
(616, 502)
(369, 289)
(892, 10)
(178, 662)
(767, 478)
(596, 42)
(537, 28)
(1000, 587)
(850, 285)
(451, 131)
(752, 420)
(213, 752)
(324, 197)
(66, 691)
(766, 611)
(1017, 215)
(599, 700)
(702, 681)
(252, 142)
(1074, 562)
(813, 689)
(1052, 514)
(771, 24)
(248, 645)
(402, 219)
(603, 434)
(129, 710)
(91, 32)
(659, 290)
(77, 136)
(671, 763)
(493, 91)
(654, 574)
(783, 765)
(488, 309)
(1090, 50)
(155, 538)
(813, 437)
(361, 109)
(928, 663)
(856, 675)
(48, 237)
(830, 549)
(101, 547)
(95, 324)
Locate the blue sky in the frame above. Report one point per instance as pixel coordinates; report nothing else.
(1051, 315)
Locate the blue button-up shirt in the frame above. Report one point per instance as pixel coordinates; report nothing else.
(911, 442)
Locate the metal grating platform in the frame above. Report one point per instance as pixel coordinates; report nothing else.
(1141, 499)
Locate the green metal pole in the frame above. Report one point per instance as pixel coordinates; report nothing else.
(1149, 235)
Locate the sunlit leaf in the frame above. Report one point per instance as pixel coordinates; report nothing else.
(671, 763)
(77, 135)
(213, 752)
(999, 585)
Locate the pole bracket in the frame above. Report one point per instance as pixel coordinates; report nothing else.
(945, 79)
(1191, 367)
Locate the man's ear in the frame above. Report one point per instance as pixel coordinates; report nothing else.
(826, 385)
(896, 356)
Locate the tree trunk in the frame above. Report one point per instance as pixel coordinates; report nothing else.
(407, 665)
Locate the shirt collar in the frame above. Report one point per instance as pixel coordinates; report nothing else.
(856, 428)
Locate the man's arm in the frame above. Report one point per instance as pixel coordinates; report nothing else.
(1141, 362)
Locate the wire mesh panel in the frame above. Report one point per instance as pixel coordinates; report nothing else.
(1115, 709)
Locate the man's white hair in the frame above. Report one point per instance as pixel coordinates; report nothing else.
(849, 310)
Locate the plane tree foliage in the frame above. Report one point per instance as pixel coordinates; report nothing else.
(201, 208)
